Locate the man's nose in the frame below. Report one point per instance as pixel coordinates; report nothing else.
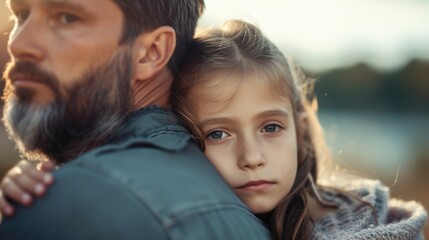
(251, 156)
(25, 41)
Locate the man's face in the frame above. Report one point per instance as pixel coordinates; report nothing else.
(66, 38)
(66, 72)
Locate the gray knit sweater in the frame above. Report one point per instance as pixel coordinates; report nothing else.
(396, 219)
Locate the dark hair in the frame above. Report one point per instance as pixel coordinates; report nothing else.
(147, 15)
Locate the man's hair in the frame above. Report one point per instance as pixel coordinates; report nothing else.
(146, 15)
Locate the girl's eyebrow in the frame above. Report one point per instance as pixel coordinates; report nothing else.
(264, 114)
(273, 113)
(214, 121)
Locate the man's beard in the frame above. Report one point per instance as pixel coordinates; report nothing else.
(82, 116)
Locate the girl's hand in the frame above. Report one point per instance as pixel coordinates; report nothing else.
(22, 183)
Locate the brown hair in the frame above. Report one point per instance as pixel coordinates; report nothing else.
(241, 47)
(146, 15)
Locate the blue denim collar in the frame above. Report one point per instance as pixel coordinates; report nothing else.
(148, 122)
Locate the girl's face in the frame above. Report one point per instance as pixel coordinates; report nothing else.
(250, 138)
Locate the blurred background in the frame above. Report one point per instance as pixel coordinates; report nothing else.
(371, 61)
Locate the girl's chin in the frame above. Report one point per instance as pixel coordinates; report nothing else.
(260, 209)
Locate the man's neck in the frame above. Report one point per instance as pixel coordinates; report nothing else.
(154, 91)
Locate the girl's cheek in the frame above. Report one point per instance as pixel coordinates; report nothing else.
(223, 161)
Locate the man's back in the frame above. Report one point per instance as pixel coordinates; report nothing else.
(150, 182)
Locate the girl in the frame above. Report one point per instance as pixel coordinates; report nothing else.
(247, 109)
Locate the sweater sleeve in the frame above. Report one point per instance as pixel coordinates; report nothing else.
(82, 204)
(396, 219)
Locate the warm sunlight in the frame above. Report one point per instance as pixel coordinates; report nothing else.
(324, 34)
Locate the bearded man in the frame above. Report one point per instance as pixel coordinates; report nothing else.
(88, 87)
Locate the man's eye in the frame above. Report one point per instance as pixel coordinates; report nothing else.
(66, 18)
(271, 128)
(22, 15)
(217, 135)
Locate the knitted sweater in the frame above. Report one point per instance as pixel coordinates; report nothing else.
(396, 219)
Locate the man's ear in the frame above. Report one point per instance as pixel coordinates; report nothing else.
(153, 51)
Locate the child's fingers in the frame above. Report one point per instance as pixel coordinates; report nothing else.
(47, 166)
(15, 192)
(27, 184)
(28, 169)
(5, 208)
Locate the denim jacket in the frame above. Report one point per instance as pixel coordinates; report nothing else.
(149, 182)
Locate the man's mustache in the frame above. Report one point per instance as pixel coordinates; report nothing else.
(31, 72)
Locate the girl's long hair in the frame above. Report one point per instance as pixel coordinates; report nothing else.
(240, 47)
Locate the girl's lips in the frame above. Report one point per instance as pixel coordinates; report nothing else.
(256, 186)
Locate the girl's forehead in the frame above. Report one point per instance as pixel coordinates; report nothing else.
(222, 87)
(223, 92)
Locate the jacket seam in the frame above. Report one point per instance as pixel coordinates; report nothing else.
(176, 218)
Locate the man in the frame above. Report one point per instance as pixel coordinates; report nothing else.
(88, 87)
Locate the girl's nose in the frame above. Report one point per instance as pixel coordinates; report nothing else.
(251, 156)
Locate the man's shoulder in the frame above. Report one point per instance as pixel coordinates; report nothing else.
(152, 194)
(160, 157)
(177, 185)
(83, 205)
(162, 178)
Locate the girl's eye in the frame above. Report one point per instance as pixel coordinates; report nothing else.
(271, 128)
(217, 135)
(66, 18)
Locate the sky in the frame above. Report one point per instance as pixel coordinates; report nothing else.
(325, 34)
(321, 35)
